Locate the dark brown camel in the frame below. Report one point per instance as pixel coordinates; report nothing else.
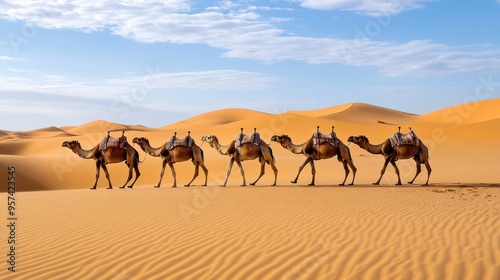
(176, 154)
(108, 156)
(317, 152)
(391, 154)
(247, 151)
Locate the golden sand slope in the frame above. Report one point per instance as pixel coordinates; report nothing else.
(461, 141)
(448, 230)
(260, 233)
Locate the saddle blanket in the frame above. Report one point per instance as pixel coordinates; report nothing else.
(174, 142)
(399, 139)
(111, 142)
(243, 139)
(320, 138)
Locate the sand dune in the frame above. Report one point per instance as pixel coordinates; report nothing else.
(469, 113)
(360, 113)
(448, 230)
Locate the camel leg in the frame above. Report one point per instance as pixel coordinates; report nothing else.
(129, 176)
(262, 170)
(383, 170)
(393, 162)
(231, 161)
(173, 174)
(206, 173)
(196, 173)
(313, 171)
(419, 169)
(163, 164)
(97, 172)
(137, 175)
(346, 172)
(242, 173)
(300, 170)
(103, 166)
(354, 169)
(275, 170)
(429, 170)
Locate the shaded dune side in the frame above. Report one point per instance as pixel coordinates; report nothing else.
(360, 113)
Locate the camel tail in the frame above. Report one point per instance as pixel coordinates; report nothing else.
(136, 159)
(272, 156)
(339, 155)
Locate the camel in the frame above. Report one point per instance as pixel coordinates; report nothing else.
(318, 152)
(247, 151)
(110, 155)
(176, 154)
(391, 154)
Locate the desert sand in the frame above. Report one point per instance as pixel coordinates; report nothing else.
(448, 230)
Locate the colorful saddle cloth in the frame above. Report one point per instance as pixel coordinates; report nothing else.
(320, 138)
(174, 142)
(111, 142)
(243, 139)
(400, 139)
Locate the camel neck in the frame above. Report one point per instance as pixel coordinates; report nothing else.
(372, 149)
(86, 154)
(156, 152)
(220, 148)
(296, 149)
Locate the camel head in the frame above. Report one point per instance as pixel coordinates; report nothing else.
(72, 145)
(283, 139)
(210, 139)
(359, 140)
(140, 141)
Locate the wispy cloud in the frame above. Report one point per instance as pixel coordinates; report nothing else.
(110, 89)
(240, 31)
(368, 7)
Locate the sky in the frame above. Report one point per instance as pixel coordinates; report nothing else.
(154, 63)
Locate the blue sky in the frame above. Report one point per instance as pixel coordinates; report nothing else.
(158, 62)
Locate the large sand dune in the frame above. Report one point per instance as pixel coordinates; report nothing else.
(448, 230)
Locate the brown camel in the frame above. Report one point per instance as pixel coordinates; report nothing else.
(391, 154)
(176, 154)
(110, 155)
(317, 152)
(247, 151)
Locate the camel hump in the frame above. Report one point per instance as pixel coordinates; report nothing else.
(187, 141)
(400, 139)
(252, 138)
(112, 142)
(320, 138)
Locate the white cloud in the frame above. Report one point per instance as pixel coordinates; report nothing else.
(368, 7)
(111, 89)
(8, 58)
(243, 33)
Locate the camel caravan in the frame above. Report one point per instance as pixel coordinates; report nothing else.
(250, 147)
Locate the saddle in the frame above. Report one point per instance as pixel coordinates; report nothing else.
(400, 139)
(174, 141)
(320, 138)
(112, 142)
(252, 138)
